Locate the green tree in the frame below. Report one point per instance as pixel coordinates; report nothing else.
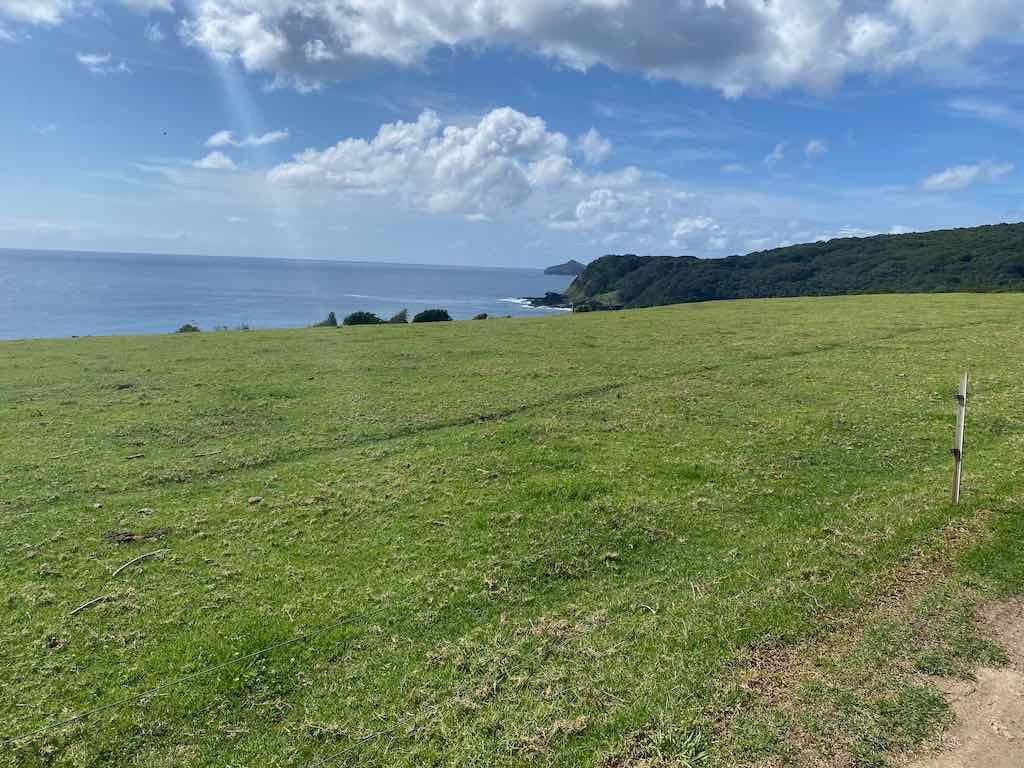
(432, 316)
(361, 318)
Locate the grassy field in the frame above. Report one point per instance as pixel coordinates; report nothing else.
(713, 534)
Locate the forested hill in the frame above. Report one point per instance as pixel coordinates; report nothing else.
(982, 259)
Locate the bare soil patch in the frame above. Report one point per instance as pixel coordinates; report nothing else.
(989, 711)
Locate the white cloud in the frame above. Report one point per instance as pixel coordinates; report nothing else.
(531, 183)
(961, 176)
(38, 226)
(504, 165)
(699, 232)
(987, 110)
(46, 129)
(816, 148)
(147, 6)
(734, 168)
(961, 23)
(40, 12)
(601, 209)
(688, 226)
(6, 36)
(52, 12)
(844, 232)
(93, 59)
(867, 34)
(490, 166)
(317, 52)
(777, 155)
(215, 161)
(734, 47)
(102, 64)
(236, 220)
(154, 33)
(220, 139)
(595, 147)
(227, 139)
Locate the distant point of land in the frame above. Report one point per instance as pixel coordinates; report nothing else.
(571, 267)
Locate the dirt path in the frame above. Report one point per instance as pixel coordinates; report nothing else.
(989, 727)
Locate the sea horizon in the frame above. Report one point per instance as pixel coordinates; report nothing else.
(47, 294)
(302, 259)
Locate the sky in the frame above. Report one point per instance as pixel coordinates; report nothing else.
(503, 133)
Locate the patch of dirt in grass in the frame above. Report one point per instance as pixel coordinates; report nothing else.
(788, 682)
(130, 537)
(989, 710)
(539, 744)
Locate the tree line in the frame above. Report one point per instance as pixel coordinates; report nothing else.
(980, 259)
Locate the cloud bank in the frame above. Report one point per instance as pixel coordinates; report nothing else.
(734, 46)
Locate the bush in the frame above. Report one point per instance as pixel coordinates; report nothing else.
(432, 316)
(400, 317)
(188, 328)
(481, 316)
(328, 322)
(361, 318)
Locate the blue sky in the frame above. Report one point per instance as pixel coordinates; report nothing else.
(494, 133)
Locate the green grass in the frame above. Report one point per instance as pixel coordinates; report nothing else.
(559, 541)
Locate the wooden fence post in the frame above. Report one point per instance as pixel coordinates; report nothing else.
(958, 445)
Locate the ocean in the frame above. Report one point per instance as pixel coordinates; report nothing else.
(49, 294)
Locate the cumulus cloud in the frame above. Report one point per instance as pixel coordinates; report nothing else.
(102, 64)
(594, 147)
(215, 161)
(602, 209)
(227, 139)
(816, 148)
(503, 165)
(962, 176)
(489, 166)
(700, 232)
(735, 46)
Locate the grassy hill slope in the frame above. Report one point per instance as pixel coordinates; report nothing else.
(697, 535)
(989, 258)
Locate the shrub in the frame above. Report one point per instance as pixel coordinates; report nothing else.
(481, 316)
(331, 321)
(188, 328)
(432, 316)
(400, 317)
(361, 318)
